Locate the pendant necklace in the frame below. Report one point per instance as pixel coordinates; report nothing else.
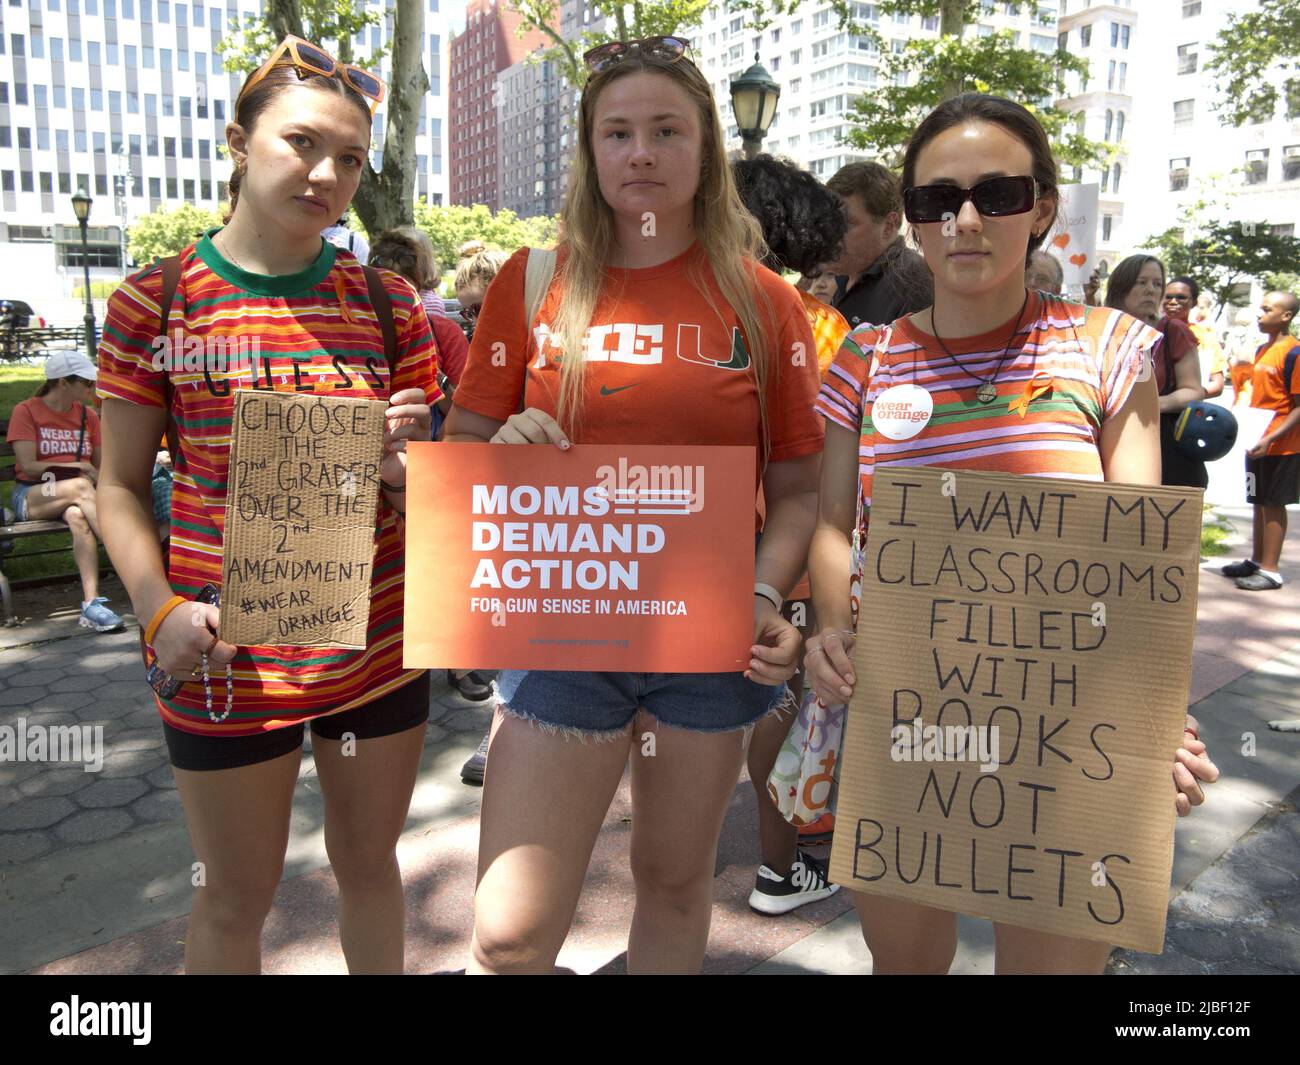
(988, 389)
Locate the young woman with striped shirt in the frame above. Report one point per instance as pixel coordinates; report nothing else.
(981, 193)
(268, 284)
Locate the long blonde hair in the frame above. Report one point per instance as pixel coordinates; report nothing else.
(730, 236)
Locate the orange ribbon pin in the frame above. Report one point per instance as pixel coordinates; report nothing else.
(341, 292)
(1038, 384)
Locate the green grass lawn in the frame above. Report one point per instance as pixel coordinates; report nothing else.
(19, 381)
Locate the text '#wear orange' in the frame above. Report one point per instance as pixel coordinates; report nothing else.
(1270, 392)
(315, 331)
(663, 365)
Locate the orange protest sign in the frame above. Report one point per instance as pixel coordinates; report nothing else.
(607, 558)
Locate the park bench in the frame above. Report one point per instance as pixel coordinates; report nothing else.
(12, 532)
(27, 342)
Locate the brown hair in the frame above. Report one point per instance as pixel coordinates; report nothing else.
(50, 383)
(406, 251)
(280, 77)
(1125, 276)
(980, 107)
(877, 185)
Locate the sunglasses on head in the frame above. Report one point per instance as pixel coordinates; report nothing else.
(994, 198)
(307, 59)
(604, 56)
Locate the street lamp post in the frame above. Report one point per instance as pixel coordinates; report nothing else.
(754, 96)
(81, 206)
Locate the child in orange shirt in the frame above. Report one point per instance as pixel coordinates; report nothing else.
(1273, 464)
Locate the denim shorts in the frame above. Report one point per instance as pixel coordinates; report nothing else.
(20, 501)
(596, 703)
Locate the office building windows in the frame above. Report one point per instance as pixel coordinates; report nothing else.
(155, 188)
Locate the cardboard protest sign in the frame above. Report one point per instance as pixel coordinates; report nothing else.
(603, 558)
(1022, 662)
(302, 489)
(1076, 246)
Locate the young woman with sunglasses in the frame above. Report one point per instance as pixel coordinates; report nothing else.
(650, 147)
(981, 193)
(298, 140)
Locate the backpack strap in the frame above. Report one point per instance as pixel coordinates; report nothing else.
(383, 306)
(171, 279)
(1288, 370)
(537, 280)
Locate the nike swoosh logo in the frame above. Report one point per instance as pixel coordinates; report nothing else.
(607, 391)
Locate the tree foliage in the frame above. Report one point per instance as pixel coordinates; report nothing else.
(385, 197)
(636, 21)
(450, 227)
(1256, 60)
(168, 231)
(1220, 255)
(930, 70)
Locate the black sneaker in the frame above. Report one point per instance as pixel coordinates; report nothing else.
(1240, 569)
(774, 894)
(472, 686)
(472, 771)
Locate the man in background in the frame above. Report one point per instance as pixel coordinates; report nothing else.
(880, 279)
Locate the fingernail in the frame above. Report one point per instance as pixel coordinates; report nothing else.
(846, 691)
(852, 679)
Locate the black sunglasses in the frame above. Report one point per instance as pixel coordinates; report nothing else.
(604, 56)
(993, 198)
(471, 312)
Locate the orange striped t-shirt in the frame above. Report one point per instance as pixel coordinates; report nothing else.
(315, 331)
(1093, 355)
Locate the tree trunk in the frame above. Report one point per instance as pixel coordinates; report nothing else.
(285, 19)
(387, 198)
(952, 23)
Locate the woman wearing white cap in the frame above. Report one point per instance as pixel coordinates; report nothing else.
(56, 441)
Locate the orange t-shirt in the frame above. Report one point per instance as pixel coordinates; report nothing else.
(829, 330)
(665, 366)
(53, 432)
(1269, 392)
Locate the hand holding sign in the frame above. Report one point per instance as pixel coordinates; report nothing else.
(408, 418)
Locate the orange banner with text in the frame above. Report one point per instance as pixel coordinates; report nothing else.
(603, 557)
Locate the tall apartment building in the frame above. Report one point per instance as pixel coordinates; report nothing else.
(128, 100)
(487, 46)
(1108, 36)
(528, 123)
(822, 69)
(1184, 143)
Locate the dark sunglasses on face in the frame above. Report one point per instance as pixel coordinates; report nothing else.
(471, 312)
(993, 198)
(604, 56)
(1178, 299)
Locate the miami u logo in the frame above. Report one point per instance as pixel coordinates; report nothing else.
(688, 349)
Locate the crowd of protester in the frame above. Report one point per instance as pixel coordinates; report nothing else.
(968, 288)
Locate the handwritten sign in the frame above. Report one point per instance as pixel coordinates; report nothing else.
(1076, 245)
(600, 558)
(1023, 664)
(303, 485)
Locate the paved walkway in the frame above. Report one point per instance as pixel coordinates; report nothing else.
(95, 867)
